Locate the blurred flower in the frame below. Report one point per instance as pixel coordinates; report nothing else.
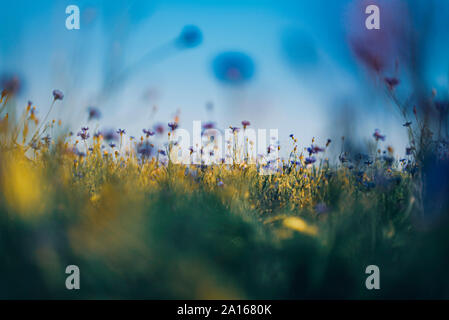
(109, 135)
(407, 124)
(121, 131)
(148, 132)
(10, 84)
(234, 129)
(145, 149)
(245, 124)
(84, 134)
(58, 95)
(234, 68)
(300, 225)
(369, 58)
(94, 113)
(159, 128)
(391, 82)
(378, 136)
(310, 160)
(22, 190)
(378, 49)
(314, 149)
(208, 125)
(173, 125)
(190, 37)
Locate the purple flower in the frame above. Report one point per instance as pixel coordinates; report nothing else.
(208, 125)
(245, 124)
(145, 149)
(159, 128)
(391, 82)
(314, 149)
(121, 131)
(173, 125)
(11, 85)
(378, 136)
(234, 129)
(84, 134)
(148, 132)
(310, 160)
(58, 95)
(94, 113)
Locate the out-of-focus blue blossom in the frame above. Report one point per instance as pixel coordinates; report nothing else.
(94, 113)
(234, 68)
(299, 49)
(190, 37)
(11, 84)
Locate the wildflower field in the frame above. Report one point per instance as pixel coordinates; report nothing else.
(346, 198)
(139, 225)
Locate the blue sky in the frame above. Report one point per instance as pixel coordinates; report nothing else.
(305, 72)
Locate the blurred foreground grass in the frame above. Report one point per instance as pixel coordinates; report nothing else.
(139, 227)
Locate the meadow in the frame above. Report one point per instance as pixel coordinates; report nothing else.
(139, 225)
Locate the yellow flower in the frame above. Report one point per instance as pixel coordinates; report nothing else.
(300, 225)
(21, 184)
